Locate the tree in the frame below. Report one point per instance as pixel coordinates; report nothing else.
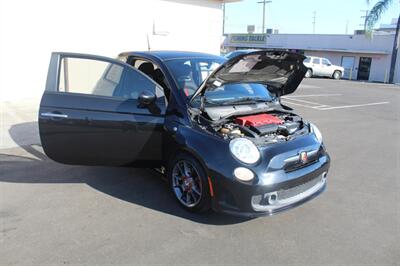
(374, 15)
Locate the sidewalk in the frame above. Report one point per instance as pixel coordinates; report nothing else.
(18, 123)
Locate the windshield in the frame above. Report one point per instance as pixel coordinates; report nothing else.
(236, 93)
(190, 73)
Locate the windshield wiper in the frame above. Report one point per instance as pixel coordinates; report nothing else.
(245, 100)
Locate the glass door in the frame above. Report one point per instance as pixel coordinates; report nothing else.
(348, 65)
(363, 68)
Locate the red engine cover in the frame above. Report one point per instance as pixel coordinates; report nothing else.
(258, 120)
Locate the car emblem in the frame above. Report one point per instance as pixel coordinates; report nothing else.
(303, 157)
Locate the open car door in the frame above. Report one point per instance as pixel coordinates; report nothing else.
(90, 113)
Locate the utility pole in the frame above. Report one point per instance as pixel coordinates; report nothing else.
(223, 19)
(264, 2)
(313, 21)
(347, 27)
(365, 18)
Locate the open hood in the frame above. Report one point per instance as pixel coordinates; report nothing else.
(282, 71)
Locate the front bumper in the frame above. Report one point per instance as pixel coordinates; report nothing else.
(286, 191)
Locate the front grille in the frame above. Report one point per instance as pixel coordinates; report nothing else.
(291, 192)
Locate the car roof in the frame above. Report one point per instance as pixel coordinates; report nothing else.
(310, 56)
(168, 55)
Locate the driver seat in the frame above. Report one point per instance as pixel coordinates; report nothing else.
(148, 69)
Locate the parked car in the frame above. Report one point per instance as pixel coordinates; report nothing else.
(322, 67)
(217, 130)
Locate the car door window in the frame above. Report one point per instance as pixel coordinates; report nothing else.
(80, 75)
(102, 78)
(135, 83)
(315, 61)
(152, 70)
(326, 62)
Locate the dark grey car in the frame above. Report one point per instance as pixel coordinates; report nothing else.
(215, 128)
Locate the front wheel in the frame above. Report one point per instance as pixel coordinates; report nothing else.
(308, 73)
(337, 74)
(189, 183)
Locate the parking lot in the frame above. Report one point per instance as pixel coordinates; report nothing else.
(58, 214)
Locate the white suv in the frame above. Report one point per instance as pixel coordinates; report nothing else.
(318, 66)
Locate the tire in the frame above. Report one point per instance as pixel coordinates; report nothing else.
(337, 74)
(309, 73)
(189, 183)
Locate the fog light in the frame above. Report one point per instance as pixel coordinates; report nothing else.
(272, 198)
(324, 175)
(243, 174)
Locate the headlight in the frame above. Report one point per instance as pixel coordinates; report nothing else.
(316, 132)
(244, 150)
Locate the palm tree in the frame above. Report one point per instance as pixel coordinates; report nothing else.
(374, 15)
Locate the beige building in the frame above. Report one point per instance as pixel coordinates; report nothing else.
(363, 58)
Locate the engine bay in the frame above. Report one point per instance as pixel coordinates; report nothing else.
(267, 127)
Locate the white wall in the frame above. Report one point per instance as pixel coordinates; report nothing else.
(31, 29)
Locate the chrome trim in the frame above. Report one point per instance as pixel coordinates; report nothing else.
(312, 153)
(54, 115)
(292, 159)
(297, 157)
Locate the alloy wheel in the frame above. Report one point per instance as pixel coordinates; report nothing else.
(186, 183)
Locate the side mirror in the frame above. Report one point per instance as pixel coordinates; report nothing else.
(147, 98)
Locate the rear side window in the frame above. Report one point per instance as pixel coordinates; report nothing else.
(315, 61)
(102, 78)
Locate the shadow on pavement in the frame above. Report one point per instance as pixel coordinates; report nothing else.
(139, 186)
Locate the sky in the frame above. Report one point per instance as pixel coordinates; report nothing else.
(294, 16)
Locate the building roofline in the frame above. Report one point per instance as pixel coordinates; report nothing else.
(313, 34)
(348, 51)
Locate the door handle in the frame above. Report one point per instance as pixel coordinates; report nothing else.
(54, 115)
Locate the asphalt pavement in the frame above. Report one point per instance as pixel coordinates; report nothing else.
(58, 214)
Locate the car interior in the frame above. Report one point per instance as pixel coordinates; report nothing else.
(152, 71)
